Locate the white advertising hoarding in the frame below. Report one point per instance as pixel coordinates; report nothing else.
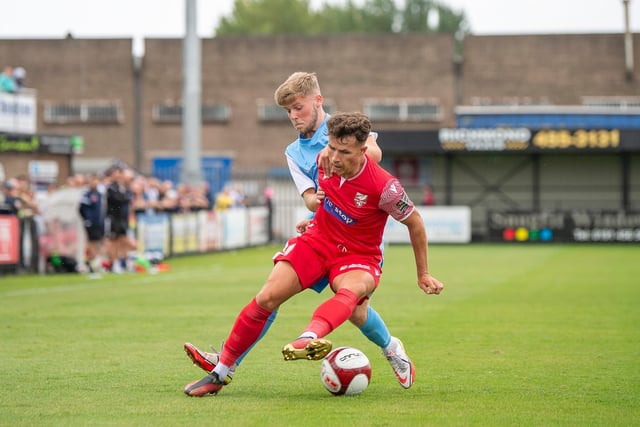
(445, 224)
(18, 112)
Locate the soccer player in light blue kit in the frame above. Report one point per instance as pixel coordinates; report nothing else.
(300, 96)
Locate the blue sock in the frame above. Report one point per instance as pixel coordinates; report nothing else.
(375, 329)
(267, 325)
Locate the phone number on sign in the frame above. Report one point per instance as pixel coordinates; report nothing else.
(606, 234)
(582, 139)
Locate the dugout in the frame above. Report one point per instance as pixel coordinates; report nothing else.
(527, 166)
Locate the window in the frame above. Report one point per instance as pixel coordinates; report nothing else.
(402, 110)
(614, 102)
(167, 113)
(509, 101)
(83, 112)
(268, 112)
(215, 113)
(171, 112)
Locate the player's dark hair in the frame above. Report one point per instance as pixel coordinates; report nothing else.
(342, 125)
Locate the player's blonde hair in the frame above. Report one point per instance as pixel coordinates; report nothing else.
(298, 84)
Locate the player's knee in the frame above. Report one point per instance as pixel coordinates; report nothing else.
(359, 315)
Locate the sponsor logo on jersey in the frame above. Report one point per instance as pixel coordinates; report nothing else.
(337, 212)
(352, 266)
(404, 203)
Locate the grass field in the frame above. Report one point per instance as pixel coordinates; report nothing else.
(531, 335)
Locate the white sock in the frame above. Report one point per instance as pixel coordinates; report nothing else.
(388, 349)
(221, 370)
(308, 334)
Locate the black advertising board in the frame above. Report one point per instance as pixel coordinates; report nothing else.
(514, 140)
(564, 226)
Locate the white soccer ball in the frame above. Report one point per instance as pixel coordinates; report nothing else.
(345, 371)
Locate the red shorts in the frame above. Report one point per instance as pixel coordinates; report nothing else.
(312, 264)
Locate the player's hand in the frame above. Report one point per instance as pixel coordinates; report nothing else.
(301, 227)
(429, 284)
(320, 196)
(325, 163)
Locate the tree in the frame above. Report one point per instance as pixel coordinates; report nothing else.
(267, 17)
(374, 16)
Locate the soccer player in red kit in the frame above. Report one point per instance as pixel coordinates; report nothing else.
(342, 242)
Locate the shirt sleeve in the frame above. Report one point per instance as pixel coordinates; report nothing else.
(395, 201)
(302, 181)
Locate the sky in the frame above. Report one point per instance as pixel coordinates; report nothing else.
(166, 18)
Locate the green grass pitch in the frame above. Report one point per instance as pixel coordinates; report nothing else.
(531, 335)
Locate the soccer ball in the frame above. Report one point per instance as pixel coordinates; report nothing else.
(345, 371)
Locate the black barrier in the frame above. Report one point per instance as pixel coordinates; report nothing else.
(576, 226)
(29, 247)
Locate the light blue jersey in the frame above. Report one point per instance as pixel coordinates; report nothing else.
(304, 152)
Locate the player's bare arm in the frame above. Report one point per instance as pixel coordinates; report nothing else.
(418, 236)
(373, 149)
(312, 198)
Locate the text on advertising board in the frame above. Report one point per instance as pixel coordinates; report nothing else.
(580, 139)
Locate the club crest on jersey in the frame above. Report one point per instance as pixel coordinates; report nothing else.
(360, 199)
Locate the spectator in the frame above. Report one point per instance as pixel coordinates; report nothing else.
(28, 202)
(118, 204)
(427, 196)
(93, 221)
(197, 198)
(11, 204)
(238, 197)
(168, 197)
(139, 202)
(20, 77)
(7, 81)
(268, 197)
(206, 192)
(152, 194)
(184, 197)
(223, 200)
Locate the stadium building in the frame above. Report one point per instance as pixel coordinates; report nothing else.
(538, 134)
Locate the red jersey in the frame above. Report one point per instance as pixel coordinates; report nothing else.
(355, 210)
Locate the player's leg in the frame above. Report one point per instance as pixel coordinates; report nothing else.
(373, 327)
(281, 285)
(350, 287)
(207, 361)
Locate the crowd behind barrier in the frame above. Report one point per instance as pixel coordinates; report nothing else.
(12, 79)
(54, 230)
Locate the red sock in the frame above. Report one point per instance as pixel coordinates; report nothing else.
(333, 312)
(246, 330)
